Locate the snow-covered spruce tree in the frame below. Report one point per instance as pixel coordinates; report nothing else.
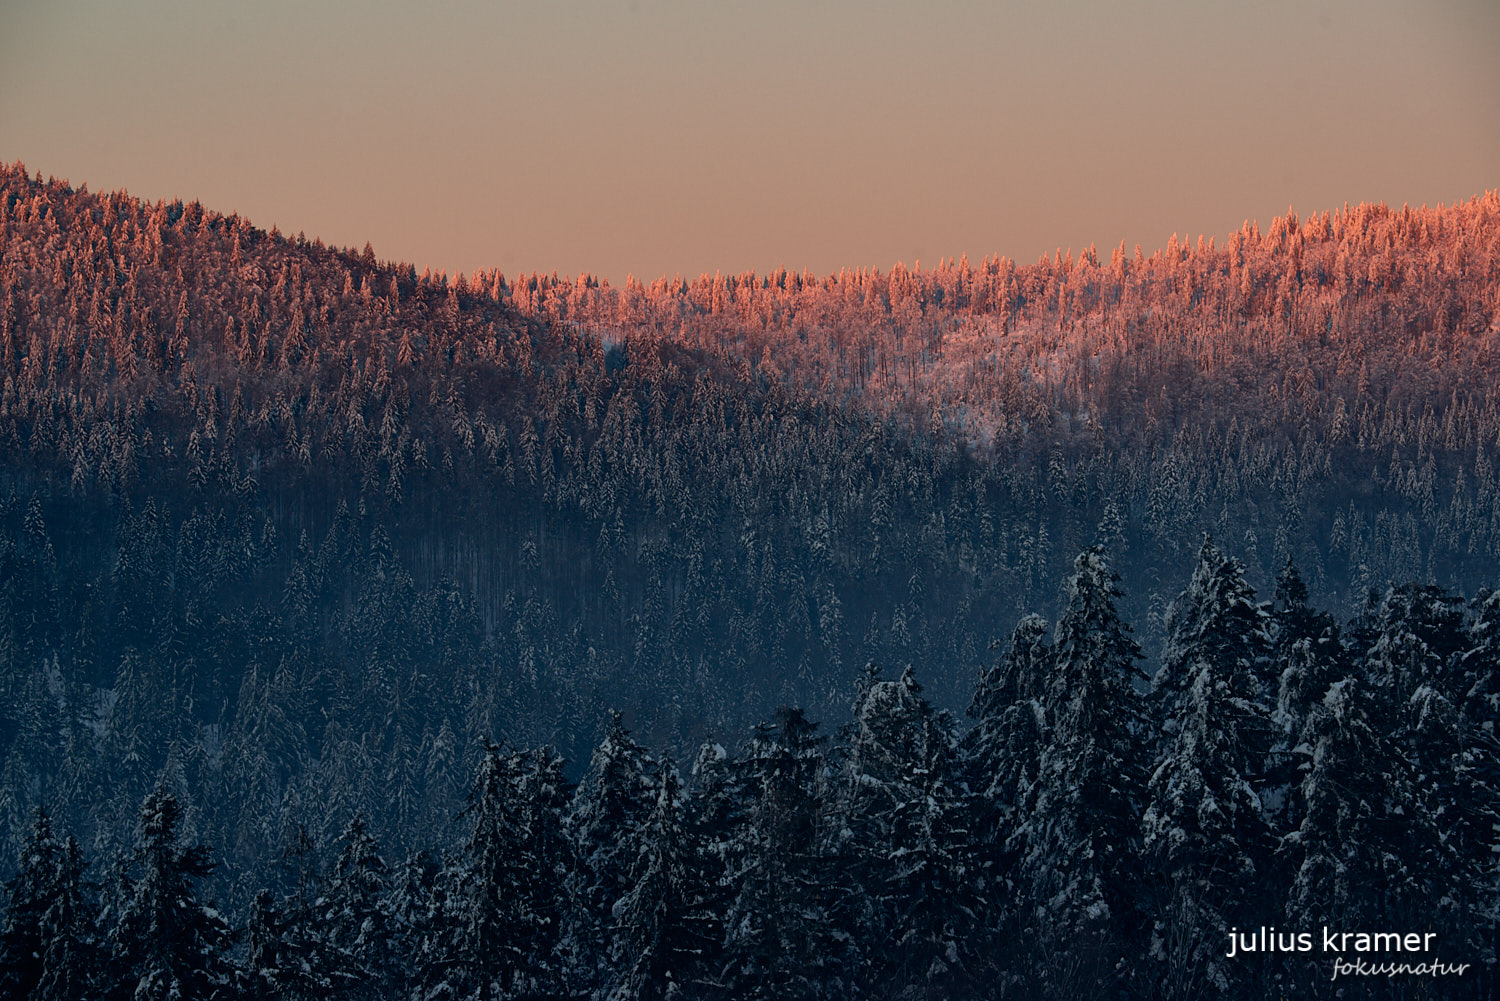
(1479, 683)
(1215, 623)
(498, 930)
(1477, 688)
(167, 944)
(667, 934)
(1419, 656)
(28, 894)
(781, 939)
(1478, 678)
(1000, 763)
(1366, 848)
(1204, 836)
(610, 809)
(288, 957)
(908, 844)
(1307, 657)
(1081, 866)
(417, 903)
(1454, 764)
(351, 914)
(1413, 636)
(274, 967)
(548, 854)
(717, 804)
(1293, 619)
(73, 960)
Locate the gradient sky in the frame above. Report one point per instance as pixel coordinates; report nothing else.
(661, 137)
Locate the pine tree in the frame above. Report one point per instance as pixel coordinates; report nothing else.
(166, 943)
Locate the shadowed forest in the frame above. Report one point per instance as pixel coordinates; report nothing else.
(290, 536)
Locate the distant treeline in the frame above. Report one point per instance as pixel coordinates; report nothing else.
(1084, 837)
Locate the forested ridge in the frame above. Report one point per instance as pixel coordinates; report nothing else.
(292, 533)
(1082, 838)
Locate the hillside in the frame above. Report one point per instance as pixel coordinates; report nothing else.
(286, 524)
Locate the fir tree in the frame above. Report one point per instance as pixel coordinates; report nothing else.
(781, 939)
(167, 944)
(911, 852)
(1204, 835)
(666, 935)
(29, 893)
(1080, 866)
(609, 811)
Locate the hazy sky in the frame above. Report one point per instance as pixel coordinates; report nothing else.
(660, 137)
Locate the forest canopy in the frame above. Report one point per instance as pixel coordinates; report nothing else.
(294, 533)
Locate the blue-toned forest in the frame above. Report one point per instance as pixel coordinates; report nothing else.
(373, 634)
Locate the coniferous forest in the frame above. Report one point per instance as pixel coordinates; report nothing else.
(320, 578)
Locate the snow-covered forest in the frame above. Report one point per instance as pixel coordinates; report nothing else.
(290, 536)
(1082, 837)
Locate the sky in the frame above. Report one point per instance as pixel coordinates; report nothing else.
(657, 137)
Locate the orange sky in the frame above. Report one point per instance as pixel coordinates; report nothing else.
(682, 137)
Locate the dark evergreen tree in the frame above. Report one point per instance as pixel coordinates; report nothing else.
(609, 811)
(1081, 864)
(547, 855)
(782, 937)
(73, 960)
(1001, 762)
(1366, 850)
(1416, 636)
(166, 943)
(1308, 657)
(494, 946)
(417, 903)
(1479, 777)
(1454, 764)
(908, 843)
(29, 893)
(666, 935)
(354, 933)
(270, 970)
(1205, 837)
